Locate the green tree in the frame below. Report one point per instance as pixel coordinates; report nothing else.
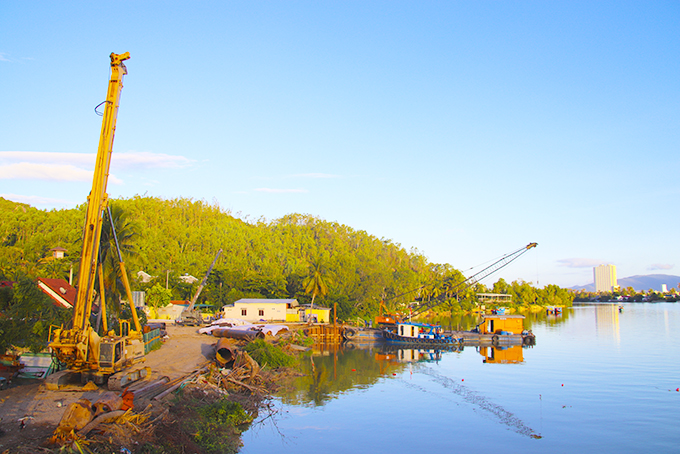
(317, 278)
(523, 293)
(126, 234)
(26, 314)
(158, 296)
(501, 286)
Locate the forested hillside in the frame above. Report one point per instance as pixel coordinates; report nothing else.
(283, 258)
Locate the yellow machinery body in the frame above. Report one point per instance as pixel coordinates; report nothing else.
(498, 324)
(79, 346)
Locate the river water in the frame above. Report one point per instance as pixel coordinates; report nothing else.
(597, 380)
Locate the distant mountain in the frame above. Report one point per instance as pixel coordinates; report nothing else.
(639, 283)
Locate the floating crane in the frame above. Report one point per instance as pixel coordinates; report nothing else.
(391, 319)
(472, 280)
(108, 359)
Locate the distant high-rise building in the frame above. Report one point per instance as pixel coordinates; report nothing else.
(605, 278)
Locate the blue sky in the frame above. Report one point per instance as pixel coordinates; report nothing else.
(463, 129)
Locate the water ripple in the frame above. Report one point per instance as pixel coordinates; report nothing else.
(505, 417)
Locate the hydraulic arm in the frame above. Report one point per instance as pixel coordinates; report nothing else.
(191, 316)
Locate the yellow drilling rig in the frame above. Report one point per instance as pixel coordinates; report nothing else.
(111, 359)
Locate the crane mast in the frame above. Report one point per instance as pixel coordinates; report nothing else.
(79, 346)
(98, 198)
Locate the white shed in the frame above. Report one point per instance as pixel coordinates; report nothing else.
(259, 309)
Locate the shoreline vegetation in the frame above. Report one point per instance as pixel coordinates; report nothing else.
(171, 239)
(164, 242)
(297, 256)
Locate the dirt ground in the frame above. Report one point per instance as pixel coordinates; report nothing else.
(41, 410)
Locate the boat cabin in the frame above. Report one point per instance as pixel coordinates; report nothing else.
(418, 330)
(502, 324)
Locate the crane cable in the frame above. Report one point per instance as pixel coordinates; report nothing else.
(497, 265)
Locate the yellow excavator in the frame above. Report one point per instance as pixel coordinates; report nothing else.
(111, 359)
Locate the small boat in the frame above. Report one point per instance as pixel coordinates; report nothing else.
(412, 333)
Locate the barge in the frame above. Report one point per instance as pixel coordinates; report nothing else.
(412, 333)
(495, 329)
(500, 329)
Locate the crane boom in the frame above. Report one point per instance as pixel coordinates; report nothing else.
(472, 280)
(190, 316)
(203, 282)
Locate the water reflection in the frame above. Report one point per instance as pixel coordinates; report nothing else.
(332, 370)
(328, 373)
(390, 353)
(502, 355)
(576, 390)
(607, 321)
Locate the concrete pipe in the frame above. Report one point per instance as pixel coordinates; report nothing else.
(238, 334)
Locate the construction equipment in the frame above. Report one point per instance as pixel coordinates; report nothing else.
(110, 358)
(392, 319)
(472, 280)
(191, 316)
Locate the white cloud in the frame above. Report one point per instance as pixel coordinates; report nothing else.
(3, 57)
(661, 266)
(280, 191)
(580, 263)
(34, 200)
(39, 165)
(33, 171)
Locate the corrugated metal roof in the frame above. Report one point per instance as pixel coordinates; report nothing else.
(292, 302)
(59, 290)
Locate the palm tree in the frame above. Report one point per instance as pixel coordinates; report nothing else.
(125, 232)
(317, 278)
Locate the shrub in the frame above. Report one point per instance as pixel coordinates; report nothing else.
(270, 355)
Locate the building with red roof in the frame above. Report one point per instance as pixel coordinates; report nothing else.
(62, 293)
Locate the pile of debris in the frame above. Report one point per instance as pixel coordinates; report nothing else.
(113, 418)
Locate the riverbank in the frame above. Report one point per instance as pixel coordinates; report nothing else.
(30, 413)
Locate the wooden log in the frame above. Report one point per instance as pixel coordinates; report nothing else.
(104, 417)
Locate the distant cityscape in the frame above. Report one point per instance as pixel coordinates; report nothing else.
(605, 281)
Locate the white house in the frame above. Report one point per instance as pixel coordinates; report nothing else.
(144, 277)
(188, 279)
(259, 309)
